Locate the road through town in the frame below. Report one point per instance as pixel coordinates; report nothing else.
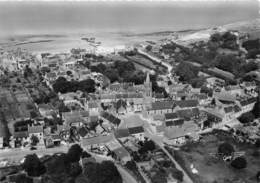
(16, 155)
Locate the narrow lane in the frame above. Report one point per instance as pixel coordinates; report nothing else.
(186, 178)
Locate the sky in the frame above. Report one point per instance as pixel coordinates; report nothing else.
(80, 17)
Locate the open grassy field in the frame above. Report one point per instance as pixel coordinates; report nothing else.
(214, 170)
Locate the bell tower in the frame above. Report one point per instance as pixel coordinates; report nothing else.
(148, 86)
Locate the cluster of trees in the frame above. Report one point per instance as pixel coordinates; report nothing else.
(104, 172)
(27, 71)
(189, 74)
(65, 168)
(126, 72)
(246, 117)
(119, 71)
(206, 53)
(146, 146)
(226, 149)
(237, 66)
(252, 47)
(64, 86)
(226, 40)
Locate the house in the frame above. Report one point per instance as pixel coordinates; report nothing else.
(177, 134)
(170, 116)
(247, 104)
(137, 132)
(46, 110)
(97, 141)
(73, 118)
(111, 118)
(161, 107)
(36, 130)
(122, 134)
(134, 124)
(52, 140)
(20, 137)
(214, 82)
(93, 107)
(188, 114)
(121, 154)
(186, 104)
(222, 73)
(235, 90)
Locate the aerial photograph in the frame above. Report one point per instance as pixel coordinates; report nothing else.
(130, 91)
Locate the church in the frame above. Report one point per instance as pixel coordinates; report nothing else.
(136, 96)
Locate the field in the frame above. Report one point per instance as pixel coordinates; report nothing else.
(214, 170)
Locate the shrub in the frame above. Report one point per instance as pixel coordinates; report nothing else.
(226, 149)
(239, 163)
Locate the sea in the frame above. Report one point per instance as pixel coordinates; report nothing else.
(59, 26)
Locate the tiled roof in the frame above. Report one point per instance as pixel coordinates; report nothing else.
(248, 101)
(220, 72)
(84, 113)
(228, 109)
(170, 116)
(135, 130)
(177, 131)
(101, 139)
(110, 118)
(162, 105)
(51, 75)
(121, 152)
(174, 123)
(35, 129)
(187, 103)
(21, 134)
(92, 105)
(82, 132)
(237, 108)
(93, 118)
(121, 133)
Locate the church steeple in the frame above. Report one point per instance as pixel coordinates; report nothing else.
(148, 86)
(147, 78)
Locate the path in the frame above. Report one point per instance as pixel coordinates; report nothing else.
(16, 155)
(186, 178)
(169, 67)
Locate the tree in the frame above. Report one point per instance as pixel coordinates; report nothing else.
(246, 117)
(239, 163)
(33, 166)
(186, 71)
(159, 177)
(27, 71)
(58, 168)
(148, 145)
(226, 149)
(216, 37)
(148, 47)
(131, 165)
(258, 176)
(85, 154)
(61, 85)
(69, 73)
(104, 172)
(257, 143)
(34, 140)
(256, 108)
(177, 174)
(87, 85)
(74, 153)
(75, 169)
(208, 91)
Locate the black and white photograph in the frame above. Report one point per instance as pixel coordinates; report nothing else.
(130, 91)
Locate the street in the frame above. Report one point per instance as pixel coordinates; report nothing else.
(16, 155)
(186, 178)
